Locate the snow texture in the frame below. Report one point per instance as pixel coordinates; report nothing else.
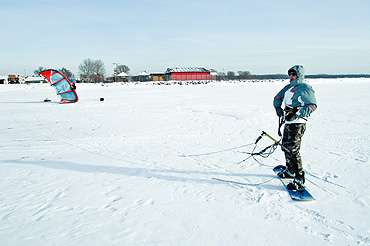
(144, 166)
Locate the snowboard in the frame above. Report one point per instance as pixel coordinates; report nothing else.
(298, 195)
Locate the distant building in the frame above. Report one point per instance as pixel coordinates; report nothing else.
(12, 79)
(123, 77)
(15, 79)
(214, 75)
(188, 73)
(3, 79)
(35, 80)
(144, 76)
(158, 76)
(141, 77)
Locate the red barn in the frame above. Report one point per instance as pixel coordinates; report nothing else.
(188, 73)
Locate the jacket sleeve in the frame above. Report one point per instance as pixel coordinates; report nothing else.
(278, 99)
(308, 102)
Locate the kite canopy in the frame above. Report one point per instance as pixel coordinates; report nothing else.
(62, 85)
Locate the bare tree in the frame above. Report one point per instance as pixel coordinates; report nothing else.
(66, 72)
(244, 74)
(86, 70)
(122, 68)
(92, 70)
(39, 69)
(230, 75)
(99, 70)
(221, 76)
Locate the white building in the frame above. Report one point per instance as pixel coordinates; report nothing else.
(34, 80)
(3, 79)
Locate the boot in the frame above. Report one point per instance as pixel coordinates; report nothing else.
(300, 176)
(295, 186)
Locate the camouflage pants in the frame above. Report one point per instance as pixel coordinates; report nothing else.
(292, 137)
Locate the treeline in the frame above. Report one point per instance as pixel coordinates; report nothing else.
(90, 70)
(334, 76)
(94, 71)
(233, 76)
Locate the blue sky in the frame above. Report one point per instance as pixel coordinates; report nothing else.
(260, 36)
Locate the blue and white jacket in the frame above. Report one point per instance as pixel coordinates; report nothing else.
(298, 95)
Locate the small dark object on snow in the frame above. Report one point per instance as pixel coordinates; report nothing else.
(101, 99)
(47, 100)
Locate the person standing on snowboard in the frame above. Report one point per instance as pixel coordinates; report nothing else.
(299, 101)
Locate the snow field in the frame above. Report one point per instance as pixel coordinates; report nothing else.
(138, 168)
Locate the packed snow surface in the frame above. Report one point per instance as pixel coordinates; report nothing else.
(140, 167)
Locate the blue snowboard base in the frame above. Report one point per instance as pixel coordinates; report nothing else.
(298, 195)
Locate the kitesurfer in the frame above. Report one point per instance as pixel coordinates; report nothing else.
(299, 101)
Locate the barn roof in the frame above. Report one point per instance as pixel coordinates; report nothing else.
(186, 69)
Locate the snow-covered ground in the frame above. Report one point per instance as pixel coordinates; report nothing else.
(138, 167)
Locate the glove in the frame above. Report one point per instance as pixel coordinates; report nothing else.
(279, 111)
(289, 116)
(290, 113)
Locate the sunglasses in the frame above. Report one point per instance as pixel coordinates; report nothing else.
(292, 73)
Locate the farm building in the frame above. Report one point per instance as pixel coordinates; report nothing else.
(188, 73)
(158, 76)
